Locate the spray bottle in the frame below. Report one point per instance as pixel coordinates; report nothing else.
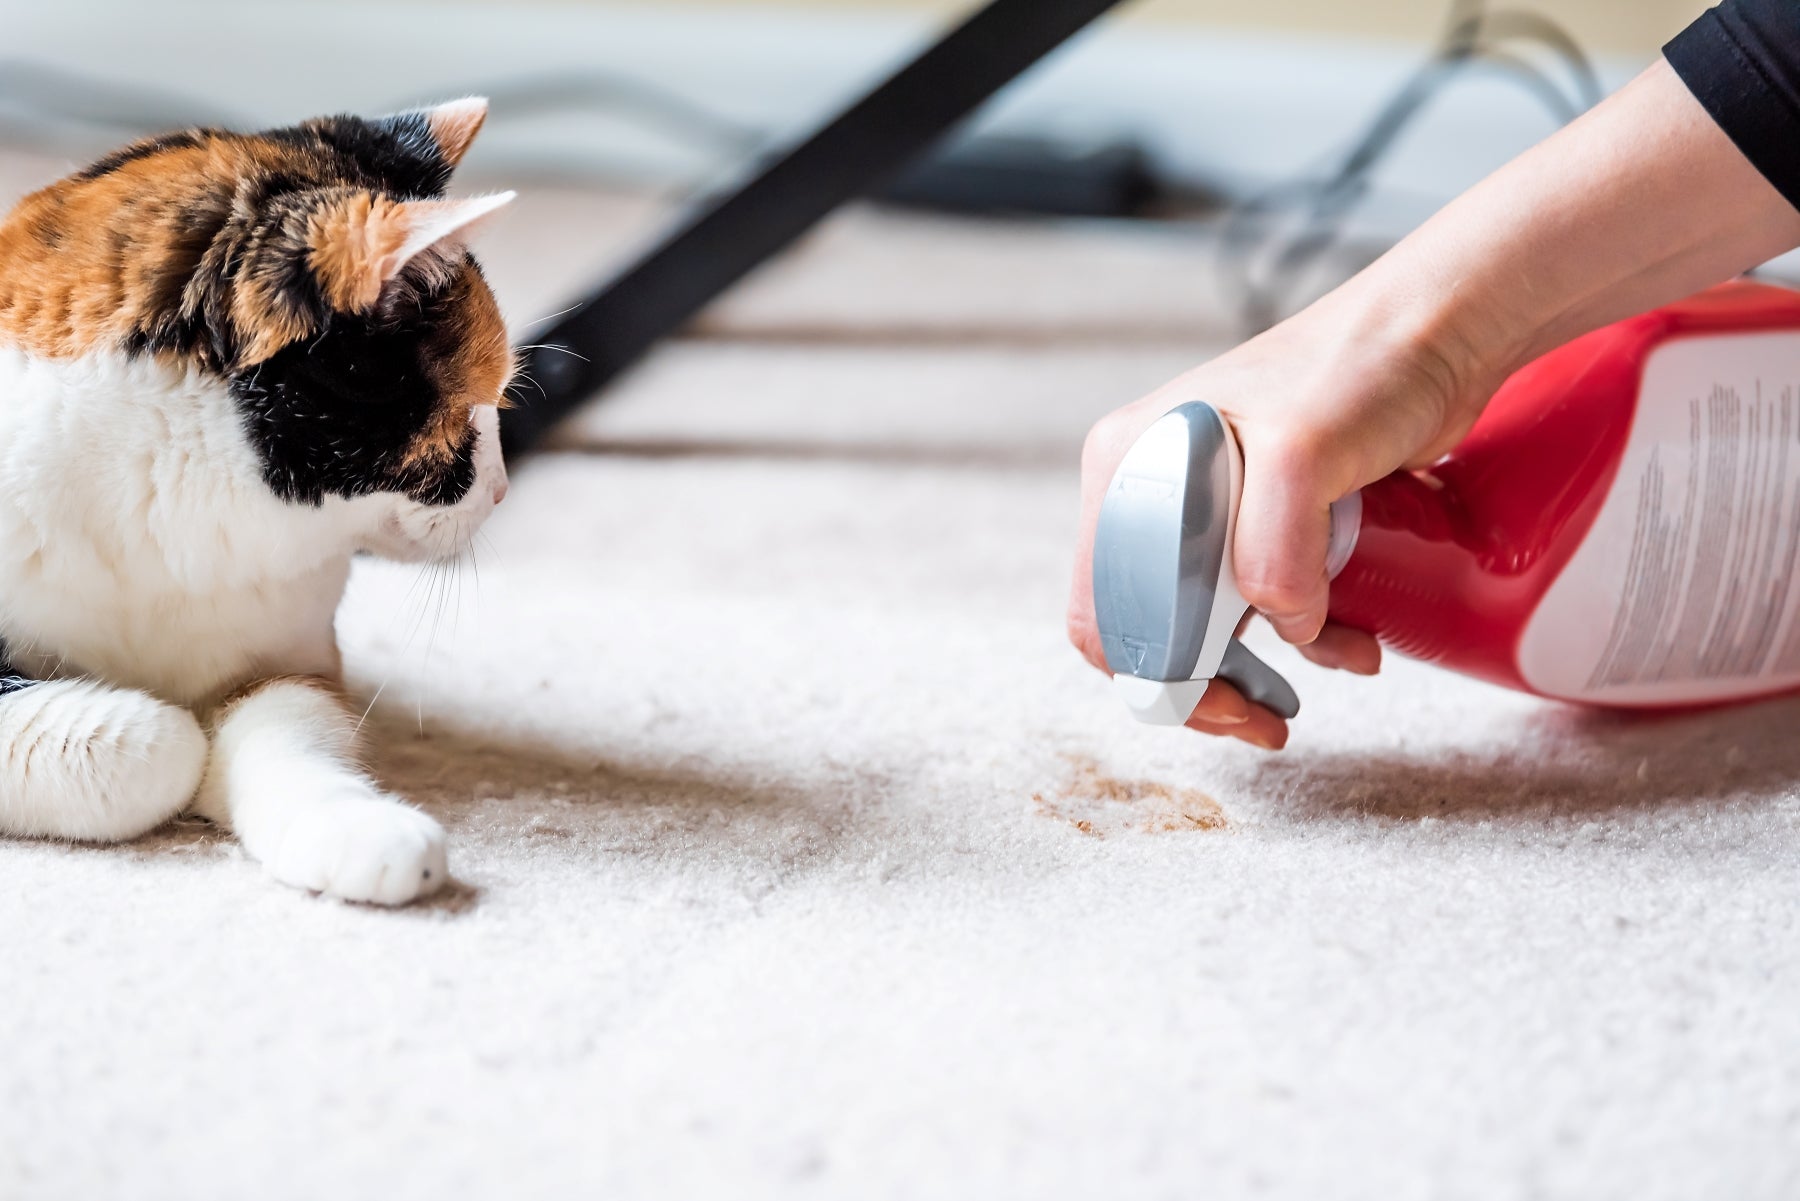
(1620, 528)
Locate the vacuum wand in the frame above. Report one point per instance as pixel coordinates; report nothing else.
(723, 239)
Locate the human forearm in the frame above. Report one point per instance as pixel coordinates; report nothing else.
(1640, 202)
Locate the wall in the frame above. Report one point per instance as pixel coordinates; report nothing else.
(1632, 28)
(1238, 105)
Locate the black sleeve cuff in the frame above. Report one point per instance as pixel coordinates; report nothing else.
(1741, 60)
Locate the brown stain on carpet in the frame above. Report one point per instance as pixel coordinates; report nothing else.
(1098, 804)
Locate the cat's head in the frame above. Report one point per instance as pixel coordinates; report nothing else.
(322, 274)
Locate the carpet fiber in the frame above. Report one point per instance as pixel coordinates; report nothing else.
(798, 855)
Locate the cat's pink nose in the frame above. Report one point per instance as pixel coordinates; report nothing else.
(500, 492)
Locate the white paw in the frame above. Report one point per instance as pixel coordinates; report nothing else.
(87, 761)
(362, 848)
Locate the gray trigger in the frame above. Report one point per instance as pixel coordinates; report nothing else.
(1260, 683)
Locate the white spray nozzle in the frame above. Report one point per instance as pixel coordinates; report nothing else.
(1165, 596)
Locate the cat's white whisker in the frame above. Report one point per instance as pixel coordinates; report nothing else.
(559, 349)
(416, 598)
(563, 312)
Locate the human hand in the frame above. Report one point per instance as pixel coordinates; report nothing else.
(1639, 202)
(1321, 405)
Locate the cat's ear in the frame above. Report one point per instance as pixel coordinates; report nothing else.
(450, 126)
(429, 223)
(360, 242)
(454, 125)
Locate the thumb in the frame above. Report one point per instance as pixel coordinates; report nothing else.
(1283, 530)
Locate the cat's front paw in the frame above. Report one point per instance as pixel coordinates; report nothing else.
(367, 848)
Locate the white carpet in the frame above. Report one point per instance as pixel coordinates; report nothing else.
(799, 856)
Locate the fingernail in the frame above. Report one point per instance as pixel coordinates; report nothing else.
(1223, 708)
(1294, 628)
(1328, 658)
(1354, 663)
(1339, 662)
(1266, 741)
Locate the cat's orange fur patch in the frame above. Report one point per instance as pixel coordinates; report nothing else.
(476, 369)
(84, 261)
(352, 243)
(91, 259)
(109, 254)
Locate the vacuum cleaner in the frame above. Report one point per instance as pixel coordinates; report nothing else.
(1620, 528)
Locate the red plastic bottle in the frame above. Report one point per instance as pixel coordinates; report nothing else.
(1621, 527)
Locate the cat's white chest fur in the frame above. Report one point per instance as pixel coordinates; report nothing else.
(146, 572)
(138, 542)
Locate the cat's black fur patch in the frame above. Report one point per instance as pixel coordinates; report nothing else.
(396, 154)
(336, 414)
(10, 679)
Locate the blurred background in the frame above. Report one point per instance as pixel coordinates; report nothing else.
(1209, 102)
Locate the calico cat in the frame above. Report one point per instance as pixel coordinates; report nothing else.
(228, 363)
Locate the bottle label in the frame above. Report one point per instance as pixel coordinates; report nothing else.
(1684, 590)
